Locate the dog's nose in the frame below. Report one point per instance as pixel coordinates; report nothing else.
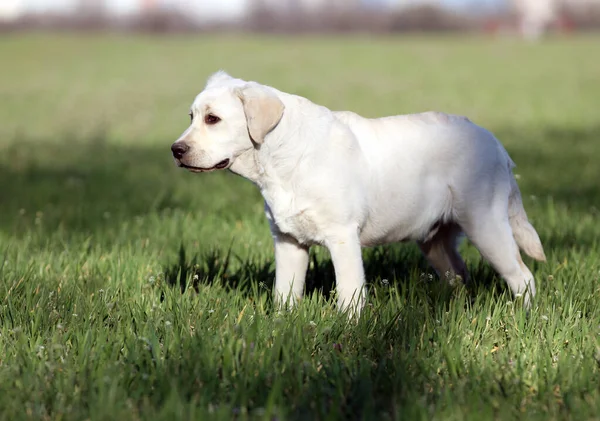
(179, 149)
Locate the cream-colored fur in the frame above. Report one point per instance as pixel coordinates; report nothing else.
(344, 181)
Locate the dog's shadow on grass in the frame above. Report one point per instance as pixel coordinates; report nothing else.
(384, 266)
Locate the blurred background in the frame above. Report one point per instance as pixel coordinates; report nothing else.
(530, 18)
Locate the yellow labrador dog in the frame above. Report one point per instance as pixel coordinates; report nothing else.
(344, 181)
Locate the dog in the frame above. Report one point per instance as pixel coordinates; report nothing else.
(337, 179)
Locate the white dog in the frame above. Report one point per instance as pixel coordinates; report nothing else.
(344, 181)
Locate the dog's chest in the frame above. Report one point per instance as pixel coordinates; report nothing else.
(291, 216)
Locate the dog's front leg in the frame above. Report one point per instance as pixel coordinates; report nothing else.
(346, 255)
(291, 263)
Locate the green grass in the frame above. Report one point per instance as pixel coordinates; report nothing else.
(99, 234)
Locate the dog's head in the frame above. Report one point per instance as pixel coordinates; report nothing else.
(228, 117)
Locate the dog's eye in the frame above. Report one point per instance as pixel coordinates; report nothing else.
(211, 119)
(191, 117)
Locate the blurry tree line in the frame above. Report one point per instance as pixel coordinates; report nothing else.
(418, 18)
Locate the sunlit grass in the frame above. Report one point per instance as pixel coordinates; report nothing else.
(100, 233)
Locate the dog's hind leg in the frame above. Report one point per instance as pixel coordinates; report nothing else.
(442, 254)
(491, 233)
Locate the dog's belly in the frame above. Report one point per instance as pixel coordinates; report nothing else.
(378, 235)
(413, 215)
(371, 239)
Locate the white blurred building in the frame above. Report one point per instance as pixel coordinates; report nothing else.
(535, 16)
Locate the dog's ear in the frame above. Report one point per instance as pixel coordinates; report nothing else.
(263, 110)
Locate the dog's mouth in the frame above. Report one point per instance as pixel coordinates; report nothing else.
(219, 166)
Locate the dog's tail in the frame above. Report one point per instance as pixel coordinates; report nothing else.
(525, 235)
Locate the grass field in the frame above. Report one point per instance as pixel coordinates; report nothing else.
(100, 234)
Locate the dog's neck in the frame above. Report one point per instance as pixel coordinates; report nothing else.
(266, 164)
(247, 165)
(276, 159)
